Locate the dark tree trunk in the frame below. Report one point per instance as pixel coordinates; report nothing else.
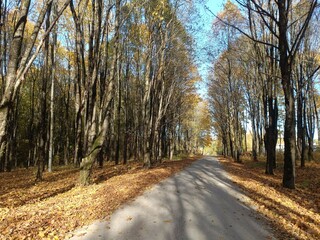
(287, 85)
(301, 140)
(271, 135)
(289, 139)
(44, 119)
(126, 113)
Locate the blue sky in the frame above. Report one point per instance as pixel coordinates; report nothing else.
(203, 37)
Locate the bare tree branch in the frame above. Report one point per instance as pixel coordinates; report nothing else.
(24, 69)
(241, 31)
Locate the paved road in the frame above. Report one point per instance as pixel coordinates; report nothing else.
(198, 203)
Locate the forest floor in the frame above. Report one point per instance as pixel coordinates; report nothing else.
(52, 208)
(295, 214)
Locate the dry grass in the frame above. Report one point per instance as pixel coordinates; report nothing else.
(294, 213)
(56, 206)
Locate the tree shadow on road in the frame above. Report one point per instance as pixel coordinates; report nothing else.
(294, 213)
(198, 203)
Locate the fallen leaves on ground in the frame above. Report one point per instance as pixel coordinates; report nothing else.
(293, 213)
(52, 208)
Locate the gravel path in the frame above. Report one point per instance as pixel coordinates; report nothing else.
(198, 203)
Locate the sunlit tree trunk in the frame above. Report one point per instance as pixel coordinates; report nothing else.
(13, 64)
(53, 68)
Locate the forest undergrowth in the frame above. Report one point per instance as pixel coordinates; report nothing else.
(293, 214)
(52, 208)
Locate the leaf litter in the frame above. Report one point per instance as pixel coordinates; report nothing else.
(53, 208)
(294, 214)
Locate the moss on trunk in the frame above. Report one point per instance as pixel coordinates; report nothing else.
(87, 162)
(86, 170)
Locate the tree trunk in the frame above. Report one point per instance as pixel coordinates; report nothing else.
(288, 180)
(44, 119)
(87, 162)
(271, 135)
(118, 142)
(126, 113)
(52, 59)
(289, 141)
(301, 117)
(254, 141)
(13, 64)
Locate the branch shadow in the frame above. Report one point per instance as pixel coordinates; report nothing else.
(278, 207)
(198, 203)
